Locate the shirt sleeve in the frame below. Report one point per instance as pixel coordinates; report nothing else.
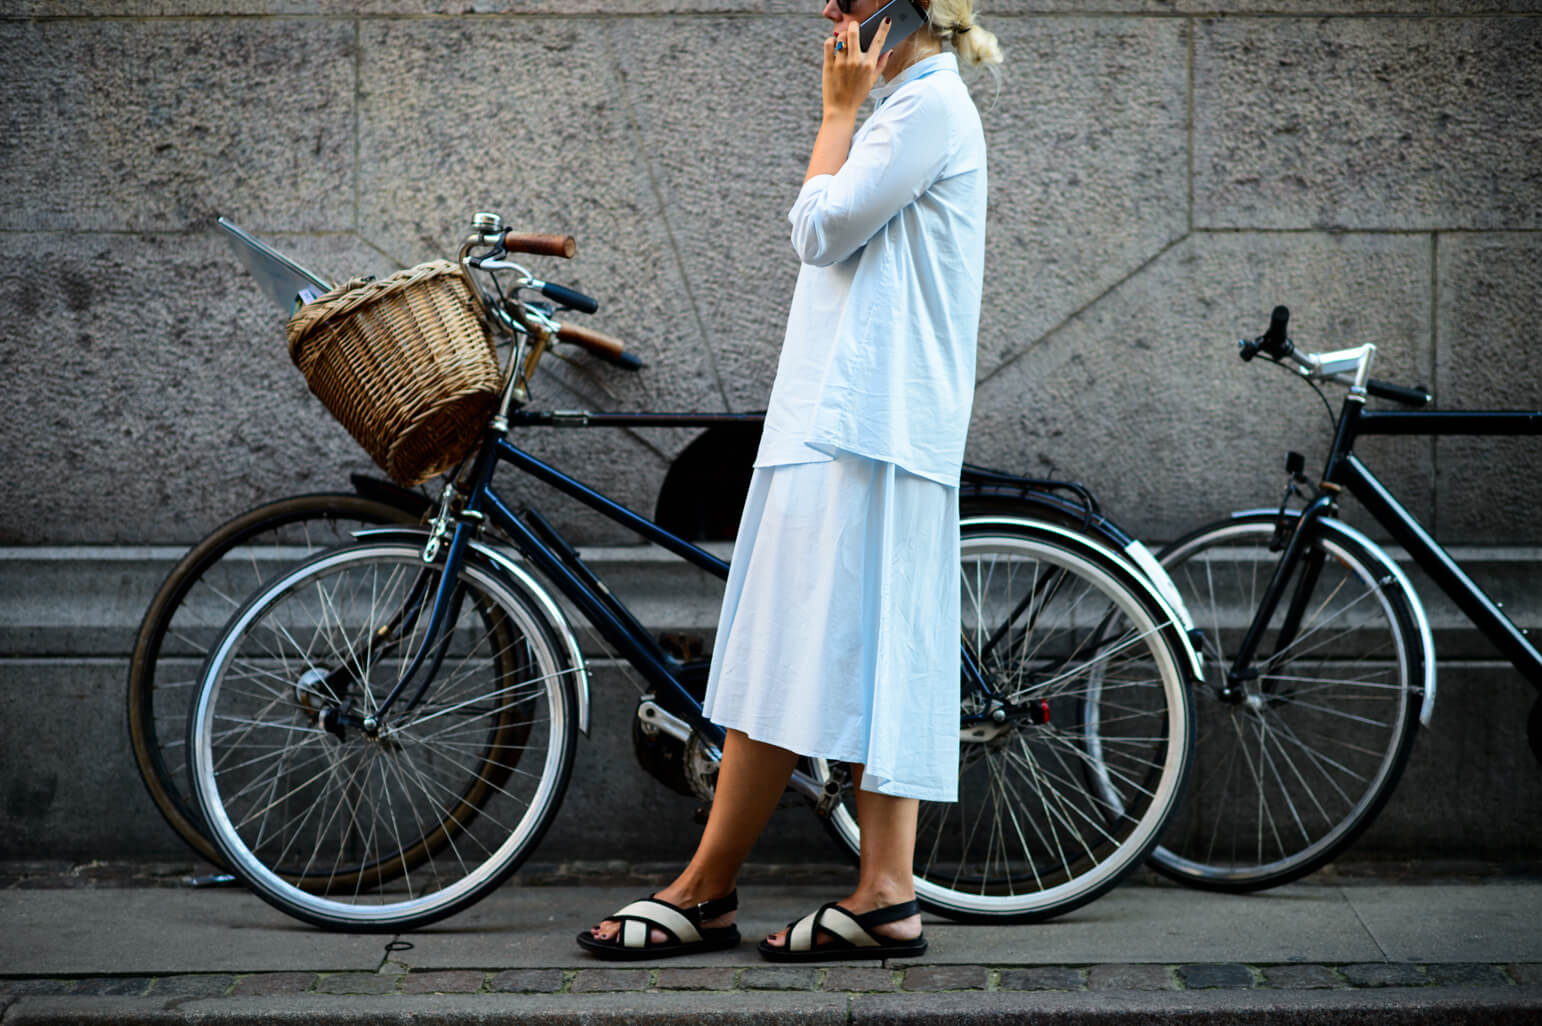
(898, 157)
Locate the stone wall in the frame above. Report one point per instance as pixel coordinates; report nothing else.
(1163, 173)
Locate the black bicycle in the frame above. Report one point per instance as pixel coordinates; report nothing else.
(212, 580)
(1319, 658)
(382, 734)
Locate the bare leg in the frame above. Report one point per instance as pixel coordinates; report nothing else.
(750, 782)
(888, 851)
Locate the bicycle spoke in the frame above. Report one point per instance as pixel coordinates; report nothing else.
(1317, 737)
(392, 825)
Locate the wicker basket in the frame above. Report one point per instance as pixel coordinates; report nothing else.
(404, 363)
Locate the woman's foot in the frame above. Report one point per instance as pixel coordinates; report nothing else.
(834, 933)
(860, 903)
(655, 928)
(679, 894)
(750, 781)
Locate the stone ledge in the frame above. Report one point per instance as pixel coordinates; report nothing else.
(89, 600)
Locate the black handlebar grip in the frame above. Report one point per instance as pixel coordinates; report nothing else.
(627, 361)
(1398, 393)
(1274, 340)
(570, 298)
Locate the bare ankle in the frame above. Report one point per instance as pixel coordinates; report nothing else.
(882, 893)
(693, 888)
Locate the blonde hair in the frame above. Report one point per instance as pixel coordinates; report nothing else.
(953, 22)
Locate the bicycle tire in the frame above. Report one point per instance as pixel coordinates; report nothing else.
(208, 584)
(1099, 650)
(380, 833)
(1290, 776)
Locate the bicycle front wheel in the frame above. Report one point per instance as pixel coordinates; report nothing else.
(201, 592)
(1297, 763)
(388, 828)
(1073, 754)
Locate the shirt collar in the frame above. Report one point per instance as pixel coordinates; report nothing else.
(920, 69)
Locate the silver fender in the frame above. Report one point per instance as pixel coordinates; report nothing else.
(1421, 620)
(524, 583)
(1164, 594)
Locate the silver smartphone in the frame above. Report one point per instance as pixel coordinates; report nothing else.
(908, 16)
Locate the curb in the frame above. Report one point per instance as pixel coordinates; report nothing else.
(949, 995)
(893, 977)
(1390, 1007)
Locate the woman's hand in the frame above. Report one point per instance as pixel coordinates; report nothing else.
(848, 77)
(849, 73)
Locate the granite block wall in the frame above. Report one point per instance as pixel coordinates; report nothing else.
(1163, 172)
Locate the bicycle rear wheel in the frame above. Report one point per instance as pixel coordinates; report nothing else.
(1287, 776)
(1069, 789)
(349, 828)
(203, 589)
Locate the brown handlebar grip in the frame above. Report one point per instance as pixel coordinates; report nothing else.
(610, 349)
(598, 343)
(540, 245)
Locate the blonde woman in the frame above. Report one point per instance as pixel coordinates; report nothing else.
(839, 631)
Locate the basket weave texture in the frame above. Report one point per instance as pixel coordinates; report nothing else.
(404, 363)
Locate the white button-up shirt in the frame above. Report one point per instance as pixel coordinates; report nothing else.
(879, 354)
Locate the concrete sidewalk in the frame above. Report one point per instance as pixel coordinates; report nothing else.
(1424, 950)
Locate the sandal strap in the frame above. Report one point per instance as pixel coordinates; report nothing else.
(714, 907)
(834, 920)
(842, 924)
(640, 915)
(680, 923)
(889, 913)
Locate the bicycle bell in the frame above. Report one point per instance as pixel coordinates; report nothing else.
(483, 223)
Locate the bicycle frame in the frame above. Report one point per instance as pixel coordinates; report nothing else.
(550, 555)
(1344, 470)
(553, 557)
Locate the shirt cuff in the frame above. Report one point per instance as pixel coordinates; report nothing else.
(819, 183)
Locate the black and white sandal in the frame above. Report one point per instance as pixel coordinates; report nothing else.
(848, 936)
(683, 925)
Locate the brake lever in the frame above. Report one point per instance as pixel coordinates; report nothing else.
(495, 263)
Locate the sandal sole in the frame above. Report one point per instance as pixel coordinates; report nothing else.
(614, 952)
(841, 952)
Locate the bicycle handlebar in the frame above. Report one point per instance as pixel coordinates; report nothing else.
(1415, 396)
(570, 298)
(564, 246)
(607, 347)
(519, 316)
(1329, 366)
(1274, 341)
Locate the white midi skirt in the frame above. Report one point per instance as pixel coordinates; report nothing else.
(839, 631)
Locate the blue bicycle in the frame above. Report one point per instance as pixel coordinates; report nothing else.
(383, 733)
